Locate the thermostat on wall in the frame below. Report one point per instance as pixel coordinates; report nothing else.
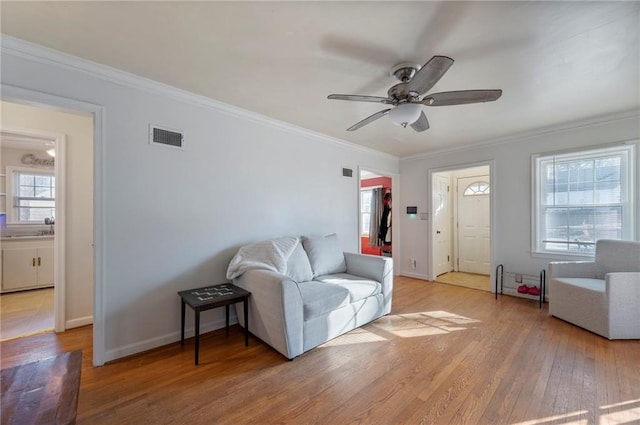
(412, 210)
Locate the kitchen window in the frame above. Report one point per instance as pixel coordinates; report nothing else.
(31, 195)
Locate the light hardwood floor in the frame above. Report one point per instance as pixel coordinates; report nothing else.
(26, 313)
(445, 355)
(467, 280)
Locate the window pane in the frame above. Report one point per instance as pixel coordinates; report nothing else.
(580, 193)
(27, 179)
(31, 186)
(35, 210)
(608, 193)
(365, 200)
(581, 227)
(365, 205)
(561, 175)
(582, 199)
(43, 181)
(608, 169)
(477, 188)
(561, 195)
(556, 228)
(608, 223)
(366, 219)
(43, 192)
(27, 191)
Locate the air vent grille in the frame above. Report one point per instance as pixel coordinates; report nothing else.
(165, 137)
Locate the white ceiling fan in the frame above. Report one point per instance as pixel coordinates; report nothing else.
(408, 96)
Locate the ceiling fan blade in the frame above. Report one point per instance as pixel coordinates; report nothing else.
(360, 98)
(429, 74)
(461, 97)
(369, 119)
(422, 124)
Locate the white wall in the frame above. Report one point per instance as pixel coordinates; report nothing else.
(173, 219)
(79, 199)
(511, 188)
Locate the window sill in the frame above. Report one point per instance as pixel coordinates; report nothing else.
(562, 257)
(34, 224)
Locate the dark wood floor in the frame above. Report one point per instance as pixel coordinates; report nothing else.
(446, 355)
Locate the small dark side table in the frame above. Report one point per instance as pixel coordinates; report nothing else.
(208, 297)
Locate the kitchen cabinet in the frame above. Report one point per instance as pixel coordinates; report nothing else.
(27, 264)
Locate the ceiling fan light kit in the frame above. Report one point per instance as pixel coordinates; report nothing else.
(416, 81)
(405, 114)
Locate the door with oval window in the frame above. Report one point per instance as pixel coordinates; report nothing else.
(474, 225)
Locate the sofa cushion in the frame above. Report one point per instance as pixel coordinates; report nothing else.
(319, 298)
(298, 267)
(582, 282)
(325, 254)
(358, 287)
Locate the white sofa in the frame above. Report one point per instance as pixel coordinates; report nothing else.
(602, 296)
(306, 291)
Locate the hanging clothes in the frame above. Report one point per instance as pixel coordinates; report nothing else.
(374, 221)
(385, 220)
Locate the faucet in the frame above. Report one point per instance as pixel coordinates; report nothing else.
(50, 221)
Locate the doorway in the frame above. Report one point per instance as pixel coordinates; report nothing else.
(375, 214)
(94, 223)
(461, 231)
(71, 221)
(473, 224)
(32, 285)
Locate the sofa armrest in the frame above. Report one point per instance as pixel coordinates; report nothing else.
(275, 310)
(585, 269)
(623, 297)
(376, 268)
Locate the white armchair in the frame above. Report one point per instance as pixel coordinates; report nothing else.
(602, 296)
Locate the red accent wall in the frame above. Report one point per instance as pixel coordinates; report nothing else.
(367, 249)
(376, 181)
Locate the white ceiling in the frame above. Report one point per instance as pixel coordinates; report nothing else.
(557, 62)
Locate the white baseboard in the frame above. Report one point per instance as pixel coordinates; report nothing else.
(80, 321)
(414, 275)
(169, 338)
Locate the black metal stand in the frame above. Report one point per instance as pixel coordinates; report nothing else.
(500, 278)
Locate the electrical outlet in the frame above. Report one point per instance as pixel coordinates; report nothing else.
(413, 263)
(518, 278)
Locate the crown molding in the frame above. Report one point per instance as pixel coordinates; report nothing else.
(45, 55)
(525, 135)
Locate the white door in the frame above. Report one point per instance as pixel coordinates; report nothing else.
(441, 223)
(474, 225)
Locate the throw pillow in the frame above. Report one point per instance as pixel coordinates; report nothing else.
(298, 267)
(325, 254)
